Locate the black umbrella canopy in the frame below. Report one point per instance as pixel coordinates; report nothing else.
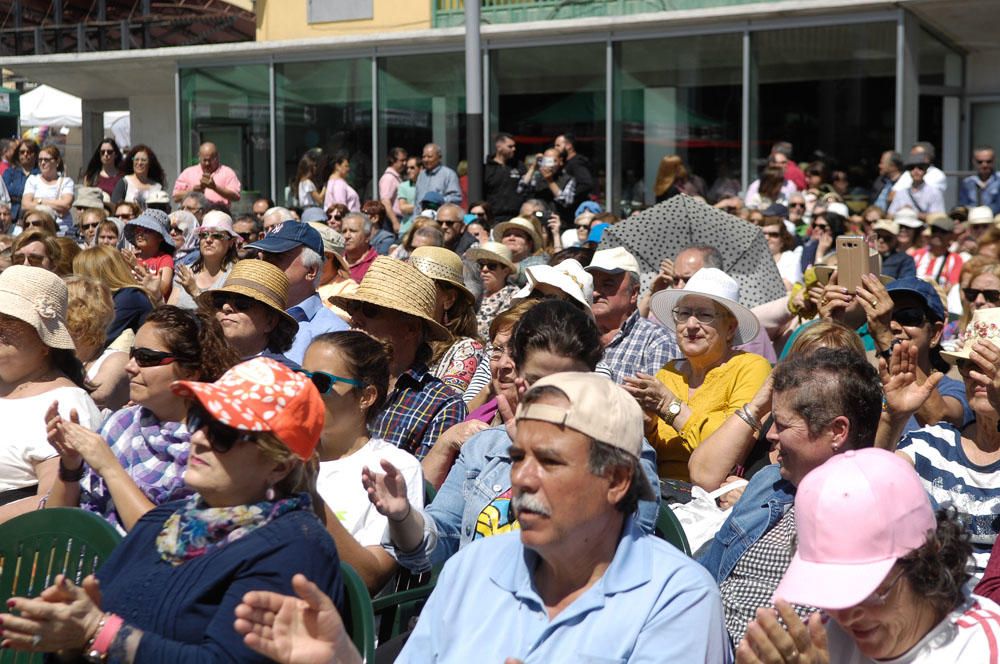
(665, 229)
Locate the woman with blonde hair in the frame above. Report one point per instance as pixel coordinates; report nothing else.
(670, 176)
(132, 302)
(88, 316)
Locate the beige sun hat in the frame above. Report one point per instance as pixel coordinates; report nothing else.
(981, 214)
(493, 251)
(984, 326)
(39, 298)
(521, 224)
(441, 264)
(333, 242)
(399, 286)
(260, 281)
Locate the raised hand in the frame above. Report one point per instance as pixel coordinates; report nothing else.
(985, 357)
(295, 630)
(387, 491)
(767, 642)
(185, 277)
(877, 304)
(904, 393)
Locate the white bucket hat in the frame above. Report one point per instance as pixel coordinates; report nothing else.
(716, 285)
(907, 217)
(39, 298)
(568, 277)
(981, 214)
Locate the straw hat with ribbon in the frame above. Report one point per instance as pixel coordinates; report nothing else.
(441, 264)
(984, 326)
(39, 298)
(261, 282)
(523, 225)
(395, 285)
(493, 251)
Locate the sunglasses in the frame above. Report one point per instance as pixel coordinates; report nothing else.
(450, 222)
(324, 381)
(990, 295)
(910, 317)
(107, 151)
(218, 237)
(797, 205)
(489, 265)
(221, 438)
(821, 227)
(30, 259)
(240, 303)
(34, 223)
(367, 309)
(247, 237)
(126, 216)
(87, 227)
(147, 357)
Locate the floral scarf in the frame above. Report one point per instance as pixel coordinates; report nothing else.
(196, 529)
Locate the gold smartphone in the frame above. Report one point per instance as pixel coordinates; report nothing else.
(852, 261)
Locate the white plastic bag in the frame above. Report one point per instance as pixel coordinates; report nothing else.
(702, 517)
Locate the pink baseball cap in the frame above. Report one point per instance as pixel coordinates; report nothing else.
(855, 516)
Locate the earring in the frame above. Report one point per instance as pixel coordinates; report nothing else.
(269, 494)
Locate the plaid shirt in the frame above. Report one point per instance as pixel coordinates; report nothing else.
(153, 453)
(418, 410)
(640, 345)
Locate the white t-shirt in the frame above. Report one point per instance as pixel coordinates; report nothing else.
(970, 634)
(306, 186)
(41, 189)
(790, 265)
(25, 441)
(339, 484)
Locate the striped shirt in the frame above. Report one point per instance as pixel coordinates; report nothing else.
(951, 479)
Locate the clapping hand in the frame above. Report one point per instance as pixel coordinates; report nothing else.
(767, 642)
(904, 393)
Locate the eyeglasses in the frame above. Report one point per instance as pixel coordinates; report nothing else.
(140, 160)
(684, 315)
(30, 259)
(489, 265)
(42, 160)
(147, 357)
(990, 295)
(24, 151)
(107, 151)
(909, 317)
(367, 309)
(238, 302)
(820, 227)
(126, 216)
(87, 227)
(192, 210)
(984, 161)
(221, 438)
(797, 205)
(880, 598)
(34, 223)
(217, 236)
(324, 381)
(449, 222)
(496, 352)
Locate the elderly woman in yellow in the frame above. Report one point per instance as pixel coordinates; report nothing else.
(690, 398)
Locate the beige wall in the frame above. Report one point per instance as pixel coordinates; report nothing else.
(286, 19)
(154, 122)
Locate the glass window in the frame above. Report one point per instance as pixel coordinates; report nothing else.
(677, 97)
(324, 107)
(422, 100)
(830, 91)
(229, 106)
(939, 64)
(541, 92)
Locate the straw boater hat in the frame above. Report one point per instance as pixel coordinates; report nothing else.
(262, 282)
(985, 325)
(719, 287)
(396, 285)
(493, 251)
(39, 298)
(521, 224)
(441, 264)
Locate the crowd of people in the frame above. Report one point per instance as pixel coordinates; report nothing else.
(496, 393)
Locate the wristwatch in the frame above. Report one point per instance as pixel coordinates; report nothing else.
(673, 410)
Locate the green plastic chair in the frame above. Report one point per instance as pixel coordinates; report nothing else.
(37, 546)
(397, 611)
(429, 493)
(669, 528)
(359, 621)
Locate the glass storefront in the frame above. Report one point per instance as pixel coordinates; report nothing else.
(681, 97)
(327, 107)
(229, 106)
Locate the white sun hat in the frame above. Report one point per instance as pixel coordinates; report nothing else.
(716, 285)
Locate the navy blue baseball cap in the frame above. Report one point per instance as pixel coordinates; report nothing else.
(286, 236)
(923, 290)
(432, 200)
(776, 210)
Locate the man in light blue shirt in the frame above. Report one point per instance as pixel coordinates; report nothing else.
(297, 249)
(436, 177)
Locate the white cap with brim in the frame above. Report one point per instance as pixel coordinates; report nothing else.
(567, 278)
(716, 285)
(614, 260)
(907, 217)
(981, 214)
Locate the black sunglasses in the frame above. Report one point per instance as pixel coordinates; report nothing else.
(324, 381)
(146, 357)
(367, 309)
(989, 294)
(909, 317)
(238, 302)
(221, 438)
(489, 265)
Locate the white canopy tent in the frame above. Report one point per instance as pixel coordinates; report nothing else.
(48, 106)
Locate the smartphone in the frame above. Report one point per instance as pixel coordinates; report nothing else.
(852, 261)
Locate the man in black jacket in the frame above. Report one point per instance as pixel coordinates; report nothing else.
(577, 167)
(501, 175)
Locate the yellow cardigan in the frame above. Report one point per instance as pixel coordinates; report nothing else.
(726, 388)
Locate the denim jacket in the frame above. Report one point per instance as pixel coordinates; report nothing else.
(766, 499)
(480, 474)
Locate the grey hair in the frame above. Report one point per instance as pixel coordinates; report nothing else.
(437, 148)
(450, 205)
(366, 221)
(430, 233)
(283, 214)
(198, 196)
(709, 254)
(184, 219)
(310, 259)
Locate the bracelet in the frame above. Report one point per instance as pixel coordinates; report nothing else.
(744, 414)
(409, 508)
(107, 631)
(70, 475)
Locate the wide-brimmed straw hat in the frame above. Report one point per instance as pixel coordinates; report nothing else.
(441, 264)
(521, 224)
(984, 326)
(395, 285)
(154, 220)
(493, 251)
(719, 287)
(39, 298)
(261, 282)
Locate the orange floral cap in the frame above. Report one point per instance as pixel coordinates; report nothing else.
(263, 395)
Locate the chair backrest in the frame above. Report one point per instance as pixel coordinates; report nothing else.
(669, 528)
(397, 610)
(359, 620)
(37, 546)
(429, 493)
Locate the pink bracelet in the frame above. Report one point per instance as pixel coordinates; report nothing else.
(106, 636)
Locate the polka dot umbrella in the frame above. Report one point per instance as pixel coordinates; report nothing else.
(663, 230)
